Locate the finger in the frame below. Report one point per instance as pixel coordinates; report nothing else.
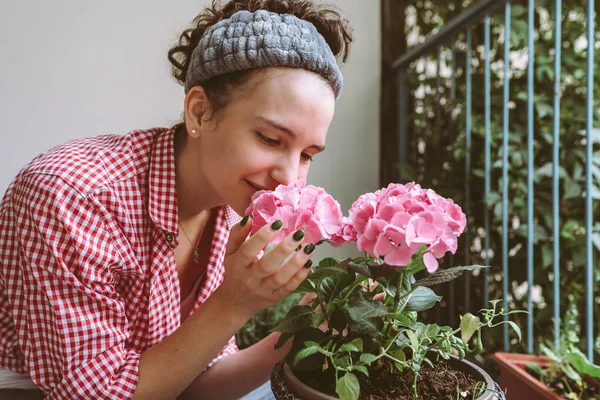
(238, 235)
(274, 258)
(282, 276)
(249, 249)
(293, 283)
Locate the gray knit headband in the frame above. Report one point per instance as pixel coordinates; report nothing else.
(262, 39)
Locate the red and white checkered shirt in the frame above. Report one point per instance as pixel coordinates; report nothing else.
(87, 269)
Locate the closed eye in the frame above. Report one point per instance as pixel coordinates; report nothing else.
(267, 140)
(306, 158)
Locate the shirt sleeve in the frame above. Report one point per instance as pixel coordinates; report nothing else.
(70, 320)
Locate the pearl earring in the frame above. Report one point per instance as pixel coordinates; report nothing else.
(194, 131)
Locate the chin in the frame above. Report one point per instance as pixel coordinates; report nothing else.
(240, 205)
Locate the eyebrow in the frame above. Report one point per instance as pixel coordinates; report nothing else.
(287, 131)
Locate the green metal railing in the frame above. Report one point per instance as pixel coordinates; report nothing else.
(408, 69)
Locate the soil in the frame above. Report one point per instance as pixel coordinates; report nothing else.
(385, 382)
(558, 386)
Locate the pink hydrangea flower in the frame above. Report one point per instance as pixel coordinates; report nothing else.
(394, 222)
(298, 206)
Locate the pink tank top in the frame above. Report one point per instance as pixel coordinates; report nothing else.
(187, 304)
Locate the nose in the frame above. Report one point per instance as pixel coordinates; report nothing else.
(286, 171)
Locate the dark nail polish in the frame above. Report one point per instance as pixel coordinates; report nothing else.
(308, 264)
(244, 220)
(298, 235)
(309, 248)
(277, 225)
(299, 247)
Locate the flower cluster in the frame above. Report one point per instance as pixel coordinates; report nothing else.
(298, 206)
(395, 222)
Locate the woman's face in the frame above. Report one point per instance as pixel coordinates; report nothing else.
(265, 137)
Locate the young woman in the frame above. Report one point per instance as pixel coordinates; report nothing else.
(124, 267)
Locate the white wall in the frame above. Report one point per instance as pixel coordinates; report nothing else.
(75, 68)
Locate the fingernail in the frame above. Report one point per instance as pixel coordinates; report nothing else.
(277, 225)
(244, 220)
(299, 247)
(309, 248)
(298, 235)
(308, 264)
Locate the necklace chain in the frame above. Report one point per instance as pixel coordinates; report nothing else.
(196, 252)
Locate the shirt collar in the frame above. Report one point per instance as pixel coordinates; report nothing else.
(162, 202)
(163, 194)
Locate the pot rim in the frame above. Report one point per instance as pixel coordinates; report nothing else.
(472, 369)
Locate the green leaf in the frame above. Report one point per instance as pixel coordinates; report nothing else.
(363, 369)
(338, 320)
(469, 324)
(309, 351)
(428, 332)
(446, 275)
(348, 387)
(572, 189)
(348, 347)
(327, 262)
(414, 342)
(358, 343)
(305, 287)
(343, 362)
(582, 365)
(321, 272)
(365, 315)
(515, 328)
(360, 268)
(421, 299)
(331, 286)
(571, 373)
(284, 337)
(416, 265)
(367, 358)
(297, 318)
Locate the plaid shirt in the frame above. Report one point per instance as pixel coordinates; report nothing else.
(87, 268)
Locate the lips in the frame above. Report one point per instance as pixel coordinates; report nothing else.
(254, 186)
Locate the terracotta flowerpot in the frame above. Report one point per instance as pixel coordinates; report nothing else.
(517, 382)
(286, 386)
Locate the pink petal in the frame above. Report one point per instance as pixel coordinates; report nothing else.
(431, 263)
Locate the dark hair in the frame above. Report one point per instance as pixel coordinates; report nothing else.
(334, 29)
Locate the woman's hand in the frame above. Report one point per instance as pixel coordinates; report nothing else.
(252, 284)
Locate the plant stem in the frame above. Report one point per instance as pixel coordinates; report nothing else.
(415, 383)
(427, 349)
(325, 313)
(398, 287)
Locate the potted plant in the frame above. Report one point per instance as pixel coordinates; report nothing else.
(370, 343)
(560, 373)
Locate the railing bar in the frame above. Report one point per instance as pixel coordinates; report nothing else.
(468, 169)
(453, 133)
(555, 172)
(588, 197)
(471, 15)
(505, 280)
(438, 119)
(487, 145)
(530, 161)
(402, 134)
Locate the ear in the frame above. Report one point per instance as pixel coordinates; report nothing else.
(197, 111)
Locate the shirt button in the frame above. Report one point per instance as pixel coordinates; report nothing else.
(169, 237)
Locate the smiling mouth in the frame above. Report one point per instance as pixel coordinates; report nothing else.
(255, 187)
